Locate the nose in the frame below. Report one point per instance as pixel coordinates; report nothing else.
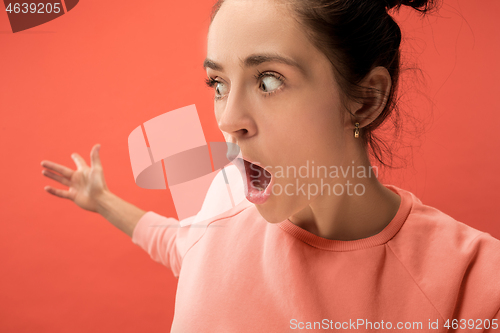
(235, 118)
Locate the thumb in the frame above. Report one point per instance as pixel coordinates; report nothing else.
(94, 156)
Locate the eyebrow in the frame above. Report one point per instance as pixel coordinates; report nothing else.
(255, 60)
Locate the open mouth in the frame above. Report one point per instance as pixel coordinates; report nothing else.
(258, 177)
(258, 181)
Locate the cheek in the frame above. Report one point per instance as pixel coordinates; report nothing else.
(313, 124)
(217, 111)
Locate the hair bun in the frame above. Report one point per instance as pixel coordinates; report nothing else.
(420, 5)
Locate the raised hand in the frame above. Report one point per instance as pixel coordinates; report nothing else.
(86, 184)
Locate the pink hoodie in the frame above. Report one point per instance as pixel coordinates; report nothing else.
(425, 272)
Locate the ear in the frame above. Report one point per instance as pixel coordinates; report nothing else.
(376, 88)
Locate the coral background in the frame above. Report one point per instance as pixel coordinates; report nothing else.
(96, 73)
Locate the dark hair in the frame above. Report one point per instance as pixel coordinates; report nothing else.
(357, 36)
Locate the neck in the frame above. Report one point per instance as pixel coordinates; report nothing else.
(353, 214)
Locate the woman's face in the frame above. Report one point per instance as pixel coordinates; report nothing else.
(281, 115)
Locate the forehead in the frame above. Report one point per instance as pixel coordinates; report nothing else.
(244, 27)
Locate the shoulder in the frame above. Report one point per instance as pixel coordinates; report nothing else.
(429, 227)
(454, 264)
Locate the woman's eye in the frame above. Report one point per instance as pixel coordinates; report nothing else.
(270, 83)
(220, 89)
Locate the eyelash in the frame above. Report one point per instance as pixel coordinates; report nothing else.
(210, 82)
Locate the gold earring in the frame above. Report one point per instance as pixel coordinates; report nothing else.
(356, 131)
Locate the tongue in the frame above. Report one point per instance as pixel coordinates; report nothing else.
(257, 176)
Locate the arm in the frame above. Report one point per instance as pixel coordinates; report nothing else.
(88, 190)
(156, 234)
(161, 237)
(119, 212)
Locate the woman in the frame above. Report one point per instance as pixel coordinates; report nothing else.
(297, 83)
